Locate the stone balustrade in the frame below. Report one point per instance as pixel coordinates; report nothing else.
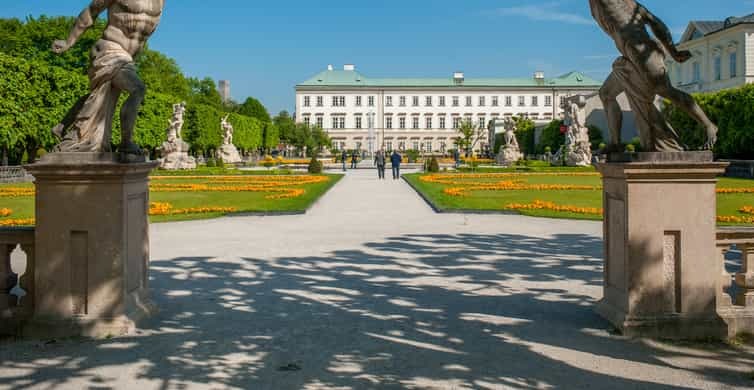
(14, 175)
(16, 293)
(735, 292)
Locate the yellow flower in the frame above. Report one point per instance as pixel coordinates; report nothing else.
(5, 212)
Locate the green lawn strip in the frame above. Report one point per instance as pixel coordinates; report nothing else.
(243, 202)
(728, 204)
(224, 172)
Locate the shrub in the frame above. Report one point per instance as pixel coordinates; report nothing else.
(315, 166)
(220, 163)
(551, 136)
(211, 163)
(432, 165)
(630, 148)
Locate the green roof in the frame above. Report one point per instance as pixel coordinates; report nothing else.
(351, 78)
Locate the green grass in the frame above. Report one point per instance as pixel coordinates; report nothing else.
(728, 204)
(243, 202)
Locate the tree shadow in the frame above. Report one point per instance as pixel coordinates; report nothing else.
(413, 311)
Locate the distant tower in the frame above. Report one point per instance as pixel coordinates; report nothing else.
(223, 86)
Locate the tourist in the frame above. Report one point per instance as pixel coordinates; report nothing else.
(343, 158)
(379, 160)
(457, 158)
(354, 159)
(395, 160)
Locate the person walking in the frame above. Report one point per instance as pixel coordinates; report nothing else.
(354, 159)
(395, 160)
(457, 158)
(343, 158)
(379, 161)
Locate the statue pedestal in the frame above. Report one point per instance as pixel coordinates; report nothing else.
(92, 242)
(660, 245)
(509, 156)
(229, 154)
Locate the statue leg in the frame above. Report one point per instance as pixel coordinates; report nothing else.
(127, 80)
(687, 103)
(609, 96)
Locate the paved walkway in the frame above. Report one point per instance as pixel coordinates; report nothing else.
(373, 290)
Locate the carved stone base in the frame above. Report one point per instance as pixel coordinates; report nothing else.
(660, 248)
(92, 242)
(229, 154)
(509, 156)
(177, 161)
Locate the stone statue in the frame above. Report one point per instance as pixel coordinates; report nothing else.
(88, 125)
(228, 152)
(174, 151)
(510, 152)
(577, 150)
(640, 72)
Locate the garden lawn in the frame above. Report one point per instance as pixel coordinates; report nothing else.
(240, 201)
(498, 200)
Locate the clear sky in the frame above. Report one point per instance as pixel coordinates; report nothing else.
(266, 47)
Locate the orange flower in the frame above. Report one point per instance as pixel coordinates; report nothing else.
(544, 205)
(17, 222)
(5, 212)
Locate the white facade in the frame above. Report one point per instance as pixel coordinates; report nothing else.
(723, 56)
(423, 114)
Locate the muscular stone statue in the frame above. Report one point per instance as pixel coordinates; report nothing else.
(88, 125)
(640, 72)
(577, 150)
(510, 152)
(228, 152)
(175, 150)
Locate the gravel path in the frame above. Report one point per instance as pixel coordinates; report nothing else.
(371, 289)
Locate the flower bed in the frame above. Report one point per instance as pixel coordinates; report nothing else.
(5, 213)
(17, 222)
(543, 205)
(163, 208)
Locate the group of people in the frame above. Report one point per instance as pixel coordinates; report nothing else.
(380, 161)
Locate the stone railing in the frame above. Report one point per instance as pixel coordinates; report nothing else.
(740, 168)
(16, 293)
(14, 175)
(735, 293)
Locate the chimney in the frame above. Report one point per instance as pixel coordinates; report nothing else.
(330, 67)
(539, 76)
(458, 77)
(349, 67)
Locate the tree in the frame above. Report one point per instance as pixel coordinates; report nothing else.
(469, 136)
(551, 136)
(161, 74)
(255, 109)
(204, 92)
(286, 128)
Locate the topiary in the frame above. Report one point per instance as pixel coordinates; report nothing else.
(211, 163)
(315, 166)
(220, 163)
(433, 165)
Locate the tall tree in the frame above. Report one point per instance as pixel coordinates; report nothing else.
(468, 136)
(161, 74)
(205, 92)
(255, 109)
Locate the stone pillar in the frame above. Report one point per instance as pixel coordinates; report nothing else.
(92, 245)
(745, 278)
(661, 269)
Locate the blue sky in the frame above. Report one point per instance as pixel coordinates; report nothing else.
(265, 47)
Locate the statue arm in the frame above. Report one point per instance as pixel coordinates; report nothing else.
(663, 34)
(83, 22)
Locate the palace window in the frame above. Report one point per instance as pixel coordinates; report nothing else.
(495, 101)
(402, 145)
(733, 65)
(358, 101)
(307, 120)
(428, 122)
(442, 122)
(389, 146)
(338, 101)
(455, 101)
(482, 122)
(389, 122)
(415, 122)
(415, 101)
(320, 121)
(522, 101)
(358, 122)
(548, 101)
(468, 101)
(320, 101)
(696, 72)
(402, 122)
(718, 68)
(442, 101)
(388, 101)
(339, 122)
(307, 101)
(370, 101)
(415, 145)
(402, 101)
(535, 101)
(457, 122)
(443, 146)
(428, 101)
(508, 101)
(482, 101)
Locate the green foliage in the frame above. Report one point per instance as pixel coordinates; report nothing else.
(732, 111)
(247, 133)
(202, 128)
(161, 74)
(596, 137)
(286, 128)
(315, 166)
(525, 134)
(205, 92)
(412, 155)
(220, 163)
(432, 165)
(254, 108)
(467, 136)
(551, 136)
(211, 163)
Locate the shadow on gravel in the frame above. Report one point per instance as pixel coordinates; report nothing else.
(415, 311)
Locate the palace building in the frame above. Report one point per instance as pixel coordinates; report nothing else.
(424, 113)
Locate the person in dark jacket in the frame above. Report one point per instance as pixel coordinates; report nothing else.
(344, 157)
(379, 161)
(354, 159)
(395, 160)
(457, 158)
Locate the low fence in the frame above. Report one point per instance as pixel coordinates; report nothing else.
(740, 168)
(17, 263)
(735, 291)
(14, 175)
